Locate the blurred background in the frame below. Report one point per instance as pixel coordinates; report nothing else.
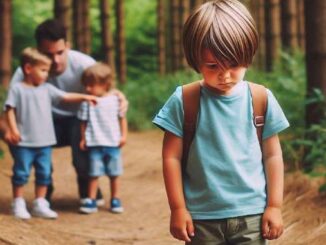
(141, 40)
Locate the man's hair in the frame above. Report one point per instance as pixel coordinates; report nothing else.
(50, 29)
(99, 73)
(226, 29)
(32, 56)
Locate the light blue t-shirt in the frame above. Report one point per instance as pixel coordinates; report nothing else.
(68, 81)
(33, 112)
(224, 177)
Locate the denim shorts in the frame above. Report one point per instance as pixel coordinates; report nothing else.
(104, 161)
(25, 158)
(239, 230)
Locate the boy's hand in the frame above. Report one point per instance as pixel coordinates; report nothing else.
(91, 99)
(181, 226)
(122, 142)
(82, 145)
(272, 224)
(12, 138)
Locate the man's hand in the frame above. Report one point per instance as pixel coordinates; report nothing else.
(272, 225)
(181, 226)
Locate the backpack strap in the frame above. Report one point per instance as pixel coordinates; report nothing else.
(190, 99)
(259, 104)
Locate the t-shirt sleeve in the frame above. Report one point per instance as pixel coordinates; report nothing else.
(82, 113)
(170, 117)
(275, 120)
(55, 93)
(17, 77)
(12, 98)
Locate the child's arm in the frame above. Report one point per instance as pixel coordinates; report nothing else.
(272, 224)
(77, 98)
(13, 137)
(122, 100)
(124, 130)
(82, 143)
(181, 226)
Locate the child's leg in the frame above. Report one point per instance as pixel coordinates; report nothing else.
(114, 186)
(40, 191)
(92, 187)
(18, 190)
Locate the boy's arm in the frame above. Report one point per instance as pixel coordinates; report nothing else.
(13, 135)
(181, 226)
(272, 224)
(82, 143)
(77, 98)
(124, 130)
(122, 100)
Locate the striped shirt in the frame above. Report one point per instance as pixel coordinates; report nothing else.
(103, 128)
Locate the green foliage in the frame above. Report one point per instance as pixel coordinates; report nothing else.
(148, 94)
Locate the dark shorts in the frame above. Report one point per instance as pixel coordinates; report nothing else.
(239, 230)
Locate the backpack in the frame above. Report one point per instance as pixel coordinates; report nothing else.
(191, 103)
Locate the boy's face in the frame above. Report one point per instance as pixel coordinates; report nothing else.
(220, 79)
(36, 74)
(57, 52)
(96, 89)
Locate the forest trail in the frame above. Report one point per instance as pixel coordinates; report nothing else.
(146, 217)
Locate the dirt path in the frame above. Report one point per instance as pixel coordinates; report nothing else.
(146, 218)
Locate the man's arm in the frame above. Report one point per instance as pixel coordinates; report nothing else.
(272, 224)
(122, 100)
(181, 226)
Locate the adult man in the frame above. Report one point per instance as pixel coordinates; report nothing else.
(65, 73)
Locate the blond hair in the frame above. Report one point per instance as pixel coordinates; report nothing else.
(32, 56)
(226, 29)
(99, 73)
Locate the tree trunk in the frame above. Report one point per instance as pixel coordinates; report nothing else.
(301, 24)
(121, 41)
(315, 13)
(273, 31)
(257, 8)
(62, 12)
(6, 41)
(106, 34)
(185, 10)
(161, 37)
(289, 24)
(81, 26)
(176, 36)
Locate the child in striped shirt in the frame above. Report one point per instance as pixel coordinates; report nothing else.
(103, 133)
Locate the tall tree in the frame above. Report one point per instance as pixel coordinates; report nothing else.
(289, 24)
(161, 32)
(176, 35)
(301, 25)
(63, 12)
(6, 41)
(82, 38)
(315, 21)
(121, 42)
(273, 32)
(257, 8)
(185, 11)
(106, 34)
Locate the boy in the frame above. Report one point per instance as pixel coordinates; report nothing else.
(103, 133)
(31, 130)
(220, 197)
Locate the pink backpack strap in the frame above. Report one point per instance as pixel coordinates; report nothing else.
(259, 104)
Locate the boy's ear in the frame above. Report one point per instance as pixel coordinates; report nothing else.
(27, 68)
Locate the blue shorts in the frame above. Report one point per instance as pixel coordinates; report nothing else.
(25, 157)
(104, 161)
